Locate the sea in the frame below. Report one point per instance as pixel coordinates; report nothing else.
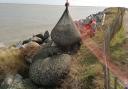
(21, 21)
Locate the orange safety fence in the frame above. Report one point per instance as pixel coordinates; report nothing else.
(99, 53)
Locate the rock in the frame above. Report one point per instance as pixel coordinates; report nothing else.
(39, 35)
(26, 41)
(16, 82)
(45, 52)
(50, 71)
(37, 40)
(42, 38)
(46, 35)
(7, 81)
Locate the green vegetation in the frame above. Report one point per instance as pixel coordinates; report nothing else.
(93, 72)
(93, 75)
(116, 45)
(86, 72)
(117, 49)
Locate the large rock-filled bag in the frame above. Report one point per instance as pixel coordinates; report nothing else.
(65, 32)
(50, 71)
(45, 52)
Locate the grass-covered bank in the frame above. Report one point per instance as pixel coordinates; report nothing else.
(93, 77)
(86, 72)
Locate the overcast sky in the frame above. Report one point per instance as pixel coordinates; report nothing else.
(121, 3)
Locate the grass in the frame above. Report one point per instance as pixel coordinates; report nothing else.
(89, 71)
(86, 72)
(118, 52)
(93, 77)
(92, 70)
(11, 62)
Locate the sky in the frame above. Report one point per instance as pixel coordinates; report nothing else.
(108, 3)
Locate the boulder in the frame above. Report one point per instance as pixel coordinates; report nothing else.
(17, 82)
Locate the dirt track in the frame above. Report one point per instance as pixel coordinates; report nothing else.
(99, 53)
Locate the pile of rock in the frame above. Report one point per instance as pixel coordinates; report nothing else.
(49, 66)
(50, 61)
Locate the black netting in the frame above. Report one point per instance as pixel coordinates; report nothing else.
(65, 32)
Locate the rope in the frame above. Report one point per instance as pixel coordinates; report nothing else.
(67, 4)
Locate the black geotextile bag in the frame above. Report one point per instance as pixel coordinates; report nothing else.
(65, 33)
(50, 71)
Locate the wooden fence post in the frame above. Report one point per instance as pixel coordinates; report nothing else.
(106, 78)
(115, 83)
